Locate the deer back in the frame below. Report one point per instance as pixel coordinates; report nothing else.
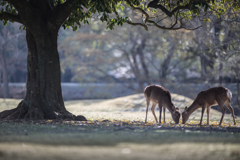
(158, 94)
(213, 95)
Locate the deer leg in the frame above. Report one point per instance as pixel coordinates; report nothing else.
(160, 113)
(203, 109)
(228, 105)
(208, 112)
(153, 111)
(148, 102)
(164, 109)
(223, 112)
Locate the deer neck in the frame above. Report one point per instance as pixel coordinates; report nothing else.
(194, 106)
(170, 107)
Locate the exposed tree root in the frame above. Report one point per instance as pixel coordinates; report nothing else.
(23, 111)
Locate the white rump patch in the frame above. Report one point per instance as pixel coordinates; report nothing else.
(229, 94)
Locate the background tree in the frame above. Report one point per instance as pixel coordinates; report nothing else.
(92, 62)
(10, 53)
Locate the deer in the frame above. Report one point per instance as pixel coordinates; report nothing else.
(161, 96)
(205, 99)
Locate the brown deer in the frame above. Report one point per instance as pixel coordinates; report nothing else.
(214, 96)
(161, 96)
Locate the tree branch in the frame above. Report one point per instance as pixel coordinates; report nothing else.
(138, 24)
(10, 17)
(62, 11)
(154, 4)
(129, 22)
(171, 28)
(17, 4)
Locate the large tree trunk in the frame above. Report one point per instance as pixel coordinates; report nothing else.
(43, 99)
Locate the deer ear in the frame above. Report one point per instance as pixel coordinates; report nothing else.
(185, 109)
(177, 108)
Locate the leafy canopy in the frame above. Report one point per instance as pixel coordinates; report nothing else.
(153, 11)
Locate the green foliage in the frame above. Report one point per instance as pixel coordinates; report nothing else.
(84, 10)
(113, 22)
(102, 8)
(6, 7)
(206, 20)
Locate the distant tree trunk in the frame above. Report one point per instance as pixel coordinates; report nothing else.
(164, 66)
(201, 50)
(220, 68)
(207, 59)
(216, 32)
(142, 60)
(137, 72)
(166, 63)
(133, 60)
(236, 69)
(226, 39)
(238, 88)
(202, 58)
(5, 72)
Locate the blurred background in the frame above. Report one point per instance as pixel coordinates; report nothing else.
(97, 63)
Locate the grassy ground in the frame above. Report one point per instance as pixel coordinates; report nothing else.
(116, 130)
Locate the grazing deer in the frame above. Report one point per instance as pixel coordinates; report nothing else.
(214, 96)
(159, 95)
